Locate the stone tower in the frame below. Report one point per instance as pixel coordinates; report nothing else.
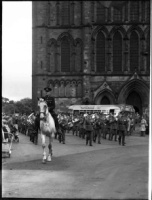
(92, 52)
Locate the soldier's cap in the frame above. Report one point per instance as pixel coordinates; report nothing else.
(47, 89)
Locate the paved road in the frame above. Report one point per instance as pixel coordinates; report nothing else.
(105, 170)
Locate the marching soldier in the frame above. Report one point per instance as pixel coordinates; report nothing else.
(81, 129)
(111, 120)
(98, 130)
(122, 123)
(114, 126)
(115, 129)
(89, 130)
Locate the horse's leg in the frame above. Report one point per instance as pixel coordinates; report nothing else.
(49, 158)
(43, 146)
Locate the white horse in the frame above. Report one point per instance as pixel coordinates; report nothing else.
(47, 128)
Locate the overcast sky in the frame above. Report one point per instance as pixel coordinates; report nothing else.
(16, 49)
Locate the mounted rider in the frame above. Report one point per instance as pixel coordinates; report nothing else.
(51, 105)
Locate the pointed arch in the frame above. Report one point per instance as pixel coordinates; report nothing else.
(78, 41)
(115, 29)
(56, 88)
(65, 34)
(52, 41)
(79, 88)
(137, 29)
(97, 29)
(134, 85)
(62, 88)
(105, 100)
(68, 88)
(105, 93)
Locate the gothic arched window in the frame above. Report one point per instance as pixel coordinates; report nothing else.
(100, 52)
(65, 55)
(117, 52)
(79, 89)
(134, 10)
(68, 90)
(134, 51)
(65, 13)
(105, 101)
(62, 90)
(56, 90)
(73, 90)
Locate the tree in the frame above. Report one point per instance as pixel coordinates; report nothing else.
(5, 100)
(22, 106)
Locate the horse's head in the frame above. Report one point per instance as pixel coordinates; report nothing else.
(43, 108)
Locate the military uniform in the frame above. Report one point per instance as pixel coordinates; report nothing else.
(122, 124)
(51, 105)
(98, 130)
(89, 131)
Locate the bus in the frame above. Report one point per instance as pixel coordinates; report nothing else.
(105, 109)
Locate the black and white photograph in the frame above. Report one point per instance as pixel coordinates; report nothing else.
(76, 99)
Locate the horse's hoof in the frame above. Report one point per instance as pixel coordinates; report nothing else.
(49, 158)
(44, 161)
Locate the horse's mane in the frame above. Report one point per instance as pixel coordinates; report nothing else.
(49, 118)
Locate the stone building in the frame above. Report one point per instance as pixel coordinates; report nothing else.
(92, 52)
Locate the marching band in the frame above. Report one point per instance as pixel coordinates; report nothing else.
(89, 126)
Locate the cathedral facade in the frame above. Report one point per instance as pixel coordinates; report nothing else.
(92, 52)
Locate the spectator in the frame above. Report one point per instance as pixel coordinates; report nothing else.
(143, 125)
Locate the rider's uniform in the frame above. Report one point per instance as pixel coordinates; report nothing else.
(51, 105)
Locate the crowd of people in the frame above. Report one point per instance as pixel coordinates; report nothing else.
(93, 127)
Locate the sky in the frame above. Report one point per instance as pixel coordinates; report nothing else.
(16, 50)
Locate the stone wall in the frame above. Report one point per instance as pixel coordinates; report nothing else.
(48, 30)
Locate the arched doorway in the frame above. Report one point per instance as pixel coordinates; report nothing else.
(104, 97)
(105, 101)
(134, 99)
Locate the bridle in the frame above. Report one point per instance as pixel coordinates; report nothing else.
(44, 113)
